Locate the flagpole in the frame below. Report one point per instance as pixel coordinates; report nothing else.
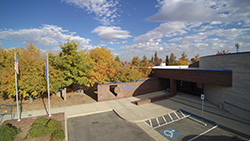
(47, 75)
(17, 103)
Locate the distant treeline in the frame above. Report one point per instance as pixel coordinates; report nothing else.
(66, 68)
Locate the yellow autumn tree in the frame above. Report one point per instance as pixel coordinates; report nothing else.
(136, 61)
(196, 58)
(105, 67)
(146, 68)
(183, 60)
(31, 78)
(7, 77)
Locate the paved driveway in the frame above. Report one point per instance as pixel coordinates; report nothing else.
(105, 126)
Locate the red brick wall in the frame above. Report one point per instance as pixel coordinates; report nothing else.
(128, 89)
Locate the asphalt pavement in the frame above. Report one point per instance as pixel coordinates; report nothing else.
(105, 126)
(78, 121)
(195, 129)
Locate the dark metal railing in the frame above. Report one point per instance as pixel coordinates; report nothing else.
(10, 105)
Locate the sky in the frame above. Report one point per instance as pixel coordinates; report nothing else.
(128, 27)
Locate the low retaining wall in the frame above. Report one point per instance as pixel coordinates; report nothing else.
(111, 91)
(155, 98)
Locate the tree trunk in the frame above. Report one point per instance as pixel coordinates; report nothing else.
(31, 99)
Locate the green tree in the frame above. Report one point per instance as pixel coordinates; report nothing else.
(117, 58)
(72, 64)
(56, 74)
(152, 59)
(167, 60)
(144, 58)
(172, 59)
(156, 60)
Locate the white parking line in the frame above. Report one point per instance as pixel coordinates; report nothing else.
(170, 117)
(196, 120)
(164, 119)
(150, 122)
(176, 115)
(182, 113)
(171, 122)
(203, 133)
(158, 121)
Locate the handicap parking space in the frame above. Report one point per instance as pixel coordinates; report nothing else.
(182, 126)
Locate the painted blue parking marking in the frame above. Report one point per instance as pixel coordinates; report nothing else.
(170, 133)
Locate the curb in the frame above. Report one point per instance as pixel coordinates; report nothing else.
(90, 113)
(213, 122)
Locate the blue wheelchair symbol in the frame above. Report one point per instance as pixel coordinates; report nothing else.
(171, 133)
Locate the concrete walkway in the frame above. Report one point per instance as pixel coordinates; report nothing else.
(127, 110)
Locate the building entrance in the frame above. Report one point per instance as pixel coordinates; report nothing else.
(189, 87)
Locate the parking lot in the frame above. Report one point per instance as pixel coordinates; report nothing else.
(179, 125)
(128, 121)
(104, 126)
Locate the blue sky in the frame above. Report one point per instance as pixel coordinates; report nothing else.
(130, 27)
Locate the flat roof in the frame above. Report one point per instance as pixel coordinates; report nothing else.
(170, 67)
(226, 54)
(194, 69)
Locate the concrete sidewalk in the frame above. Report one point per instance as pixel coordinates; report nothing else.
(127, 110)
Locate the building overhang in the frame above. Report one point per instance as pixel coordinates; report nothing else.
(215, 77)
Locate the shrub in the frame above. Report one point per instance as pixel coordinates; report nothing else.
(57, 135)
(44, 126)
(7, 132)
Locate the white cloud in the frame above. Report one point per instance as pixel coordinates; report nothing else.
(202, 10)
(117, 43)
(165, 29)
(195, 27)
(201, 38)
(47, 35)
(110, 33)
(183, 10)
(105, 10)
(215, 22)
(148, 46)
